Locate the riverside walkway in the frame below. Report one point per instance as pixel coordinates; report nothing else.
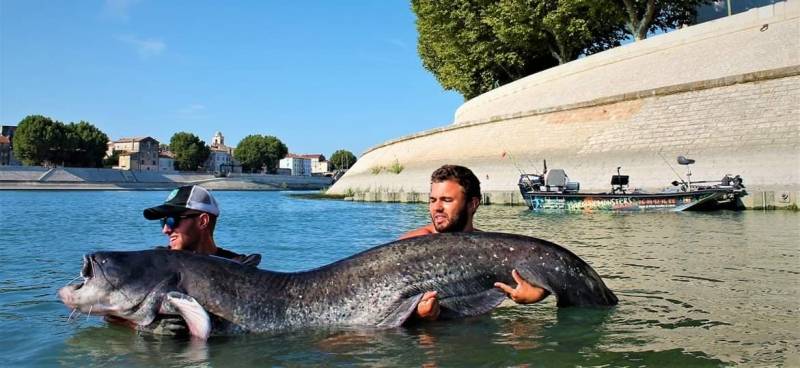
(72, 178)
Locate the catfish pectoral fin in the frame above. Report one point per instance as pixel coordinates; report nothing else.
(196, 317)
(401, 313)
(470, 305)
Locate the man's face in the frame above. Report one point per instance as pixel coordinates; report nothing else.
(185, 236)
(449, 208)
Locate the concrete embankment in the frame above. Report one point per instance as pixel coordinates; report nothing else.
(40, 178)
(725, 93)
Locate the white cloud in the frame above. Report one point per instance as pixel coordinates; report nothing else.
(118, 9)
(146, 48)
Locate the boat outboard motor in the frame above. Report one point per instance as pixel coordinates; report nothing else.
(738, 182)
(735, 181)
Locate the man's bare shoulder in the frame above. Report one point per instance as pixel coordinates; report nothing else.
(425, 230)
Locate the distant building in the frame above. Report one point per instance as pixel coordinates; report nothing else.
(7, 145)
(8, 131)
(136, 153)
(221, 160)
(5, 150)
(719, 8)
(283, 171)
(318, 163)
(166, 161)
(300, 166)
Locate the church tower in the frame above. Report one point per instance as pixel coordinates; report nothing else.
(218, 140)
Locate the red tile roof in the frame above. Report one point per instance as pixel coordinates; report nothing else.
(132, 139)
(317, 156)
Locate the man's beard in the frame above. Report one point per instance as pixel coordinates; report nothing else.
(456, 224)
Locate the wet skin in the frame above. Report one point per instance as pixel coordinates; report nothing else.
(452, 211)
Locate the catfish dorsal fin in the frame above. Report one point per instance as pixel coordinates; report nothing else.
(196, 317)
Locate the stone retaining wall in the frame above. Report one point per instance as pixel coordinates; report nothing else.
(746, 123)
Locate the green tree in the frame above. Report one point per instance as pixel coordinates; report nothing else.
(190, 152)
(41, 140)
(342, 159)
(566, 28)
(38, 140)
(643, 16)
(85, 145)
(473, 46)
(462, 51)
(257, 151)
(112, 160)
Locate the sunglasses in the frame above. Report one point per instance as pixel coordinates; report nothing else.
(175, 221)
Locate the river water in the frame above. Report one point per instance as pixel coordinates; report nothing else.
(695, 289)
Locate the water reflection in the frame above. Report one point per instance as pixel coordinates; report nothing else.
(511, 336)
(101, 345)
(695, 289)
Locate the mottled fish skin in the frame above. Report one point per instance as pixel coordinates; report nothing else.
(378, 287)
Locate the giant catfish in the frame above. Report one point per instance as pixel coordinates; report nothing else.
(379, 287)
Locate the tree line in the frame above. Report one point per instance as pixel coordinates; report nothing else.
(473, 46)
(40, 140)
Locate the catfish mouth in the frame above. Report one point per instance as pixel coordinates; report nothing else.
(79, 296)
(87, 271)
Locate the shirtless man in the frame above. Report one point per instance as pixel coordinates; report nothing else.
(455, 196)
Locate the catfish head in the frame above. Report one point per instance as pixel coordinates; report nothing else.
(128, 285)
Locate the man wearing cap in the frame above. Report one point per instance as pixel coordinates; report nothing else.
(188, 218)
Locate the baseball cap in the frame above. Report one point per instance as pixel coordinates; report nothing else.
(180, 200)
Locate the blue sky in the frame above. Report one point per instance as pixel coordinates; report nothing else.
(319, 75)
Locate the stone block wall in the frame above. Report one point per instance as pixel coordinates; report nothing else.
(746, 123)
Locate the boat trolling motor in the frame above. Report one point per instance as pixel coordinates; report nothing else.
(686, 162)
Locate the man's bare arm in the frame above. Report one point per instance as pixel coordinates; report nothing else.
(425, 230)
(525, 292)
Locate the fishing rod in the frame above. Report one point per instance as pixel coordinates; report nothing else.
(671, 168)
(505, 153)
(535, 171)
(522, 175)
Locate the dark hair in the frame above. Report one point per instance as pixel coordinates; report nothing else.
(461, 175)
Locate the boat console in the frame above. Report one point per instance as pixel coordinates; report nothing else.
(553, 180)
